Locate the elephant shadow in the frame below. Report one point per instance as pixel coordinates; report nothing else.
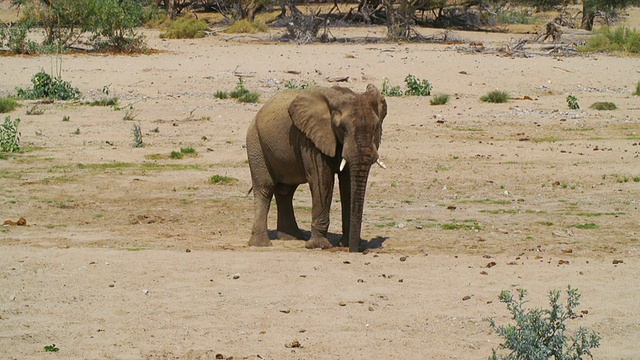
(334, 239)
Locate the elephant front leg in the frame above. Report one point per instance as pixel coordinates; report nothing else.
(259, 232)
(321, 194)
(287, 225)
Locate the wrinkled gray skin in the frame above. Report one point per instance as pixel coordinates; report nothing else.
(301, 136)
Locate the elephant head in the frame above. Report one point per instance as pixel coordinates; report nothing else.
(346, 127)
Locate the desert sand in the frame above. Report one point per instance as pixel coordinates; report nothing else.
(129, 254)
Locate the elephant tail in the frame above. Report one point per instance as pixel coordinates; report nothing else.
(249, 192)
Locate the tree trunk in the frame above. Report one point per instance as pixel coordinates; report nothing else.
(588, 16)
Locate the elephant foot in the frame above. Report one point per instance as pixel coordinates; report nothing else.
(318, 243)
(344, 241)
(261, 240)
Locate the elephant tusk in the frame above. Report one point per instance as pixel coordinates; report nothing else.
(342, 164)
(381, 164)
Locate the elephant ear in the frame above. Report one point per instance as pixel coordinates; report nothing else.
(311, 113)
(379, 106)
(378, 101)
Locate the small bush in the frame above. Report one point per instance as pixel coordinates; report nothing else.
(188, 150)
(244, 95)
(15, 38)
(45, 86)
(176, 155)
(542, 334)
(572, 102)
(7, 104)
(9, 135)
(389, 90)
(219, 179)
(219, 94)
(603, 105)
(247, 27)
(185, 28)
(417, 87)
(496, 97)
(439, 99)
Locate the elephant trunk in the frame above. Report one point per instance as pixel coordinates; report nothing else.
(359, 175)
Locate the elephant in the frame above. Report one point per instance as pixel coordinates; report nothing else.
(308, 136)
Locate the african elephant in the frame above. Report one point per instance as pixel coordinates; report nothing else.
(302, 136)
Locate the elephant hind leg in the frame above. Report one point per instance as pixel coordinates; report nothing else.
(262, 201)
(287, 225)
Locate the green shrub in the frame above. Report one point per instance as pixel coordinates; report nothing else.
(542, 334)
(603, 105)
(417, 87)
(439, 99)
(188, 150)
(389, 90)
(112, 101)
(247, 27)
(219, 94)
(45, 86)
(9, 135)
(293, 84)
(637, 92)
(496, 97)
(185, 28)
(219, 179)
(176, 155)
(572, 102)
(621, 38)
(242, 94)
(7, 104)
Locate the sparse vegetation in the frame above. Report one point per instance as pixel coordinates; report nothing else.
(112, 101)
(621, 39)
(220, 179)
(47, 87)
(7, 104)
(185, 28)
(637, 92)
(439, 99)
(176, 155)
(35, 110)
(240, 93)
(603, 105)
(188, 150)
(572, 102)
(496, 97)
(245, 26)
(130, 113)
(587, 226)
(293, 84)
(542, 334)
(9, 135)
(65, 118)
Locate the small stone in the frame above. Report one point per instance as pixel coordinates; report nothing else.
(616, 262)
(285, 310)
(111, 285)
(403, 258)
(236, 276)
(145, 291)
(342, 303)
(465, 298)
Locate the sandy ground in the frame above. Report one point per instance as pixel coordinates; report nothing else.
(128, 254)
